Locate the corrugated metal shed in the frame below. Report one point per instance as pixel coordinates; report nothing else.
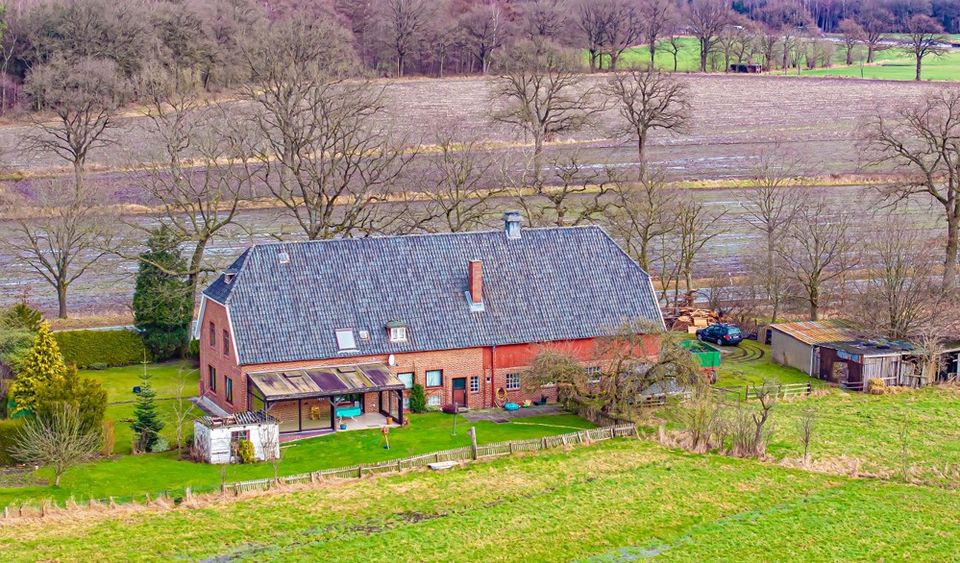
(818, 332)
(324, 381)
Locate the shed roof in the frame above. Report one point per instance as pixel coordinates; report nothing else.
(879, 347)
(324, 381)
(818, 332)
(548, 284)
(244, 418)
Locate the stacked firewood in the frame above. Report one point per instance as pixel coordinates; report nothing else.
(689, 319)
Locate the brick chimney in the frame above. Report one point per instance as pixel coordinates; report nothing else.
(475, 281)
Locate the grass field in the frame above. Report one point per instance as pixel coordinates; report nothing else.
(164, 378)
(615, 501)
(129, 476)
(750, 363)
(890, 64)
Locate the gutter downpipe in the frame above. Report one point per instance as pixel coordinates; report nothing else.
(493, 378)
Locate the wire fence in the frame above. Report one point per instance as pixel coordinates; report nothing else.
(464, 454)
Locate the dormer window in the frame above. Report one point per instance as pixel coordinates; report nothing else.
(345, 340)
(396, 331)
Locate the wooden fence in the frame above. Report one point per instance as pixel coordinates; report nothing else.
(469, 453)
(483, 451)
(782, 390)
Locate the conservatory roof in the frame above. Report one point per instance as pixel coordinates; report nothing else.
(324, 381)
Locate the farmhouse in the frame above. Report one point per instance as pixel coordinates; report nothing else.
(331, 334)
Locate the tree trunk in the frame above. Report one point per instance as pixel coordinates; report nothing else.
(919, 62)
(870, 53)
(814, 295)
(849, 55)
(593, 61)
(62, 299)
(538, 162)
(953, 244)
(653, 54)
(704, 48)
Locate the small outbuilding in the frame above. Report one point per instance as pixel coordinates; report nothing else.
(854, 364)
(216, 438)
(794, 344)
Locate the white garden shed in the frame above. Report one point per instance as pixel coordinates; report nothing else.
(216, 438)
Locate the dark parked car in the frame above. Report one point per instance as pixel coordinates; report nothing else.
(721, 334)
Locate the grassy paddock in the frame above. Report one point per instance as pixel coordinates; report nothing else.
(619, 500)
(132, 476)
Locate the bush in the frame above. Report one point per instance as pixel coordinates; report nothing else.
(105, 347)
(109, 438)
(98, 366)
(418, 399)
(160, 445)
(193, 350)
(246, 452)
(8, 434)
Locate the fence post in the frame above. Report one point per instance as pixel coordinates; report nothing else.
(809, 388)
(6, 512)
(360, 472)
(563, 439)
(473, 442)
(187, 493)
(543, 443)
(399, 465)
(511, 446)
(746, 391)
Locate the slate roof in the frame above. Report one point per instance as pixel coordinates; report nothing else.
(549, 284)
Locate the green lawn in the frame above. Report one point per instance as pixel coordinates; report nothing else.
(749, 363)
(619, 500)
(868, 428)
(128, 476)
(164, 378)
(890, 64)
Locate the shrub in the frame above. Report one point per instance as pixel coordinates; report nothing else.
(163, 301)
(8, 434)
(22, 316)
(160, 445)
(418, 399)
(193, 350)
(109, 438)
(98, 366)
(246, 452)
(105, 347)
(449, 408)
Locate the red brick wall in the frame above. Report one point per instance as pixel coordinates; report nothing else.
(225, 364)
(466, 363)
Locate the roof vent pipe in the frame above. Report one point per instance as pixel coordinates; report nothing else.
(511, 224)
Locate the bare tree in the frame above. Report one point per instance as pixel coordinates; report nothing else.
(922, 139)
(706, 19)
(674, 46)
(323, 153)
(454, 186)
(924, 37)
(643, 214)
(852, 34)
(405, 22)
(771, 204)
(579, 194)
(658, 19)
(806, 426)
(484, 27)
(59, 440)
(204, 173)
(648, 100)
(541, 93)
(546, 19)
(183, 409)
(816, 250)
(593, 19)
(876, 21)
(899, 297)
(84, 96)
(695, 226)
(623, 29)
(61, 236)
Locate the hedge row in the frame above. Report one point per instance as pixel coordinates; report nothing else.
(100, 348)
(8, 433)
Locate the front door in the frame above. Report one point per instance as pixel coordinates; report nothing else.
(460, 391)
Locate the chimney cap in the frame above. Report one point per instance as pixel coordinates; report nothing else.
(511, 224)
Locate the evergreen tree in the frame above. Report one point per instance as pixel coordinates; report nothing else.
(162, 299)
(146, 420)
(82, 395)
(418, 399)
(42, 366)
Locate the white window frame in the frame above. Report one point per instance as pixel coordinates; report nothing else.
(405, 384)
(346, 341)
(427, 377)
(474, 383)
(514, 386)
(398, 334)
(434, 400)
(593, 373)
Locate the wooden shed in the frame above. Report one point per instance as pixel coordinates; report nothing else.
(216, 437)
(852, 365)
(793, 344)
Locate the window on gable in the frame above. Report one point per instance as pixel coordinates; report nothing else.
(345, 340)
(398, 334)
(474, 384)
(226, 343)
(593, 374)
(213, 335)
(434, 378)
(513, 381)
(228, 384)
(212, 378)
